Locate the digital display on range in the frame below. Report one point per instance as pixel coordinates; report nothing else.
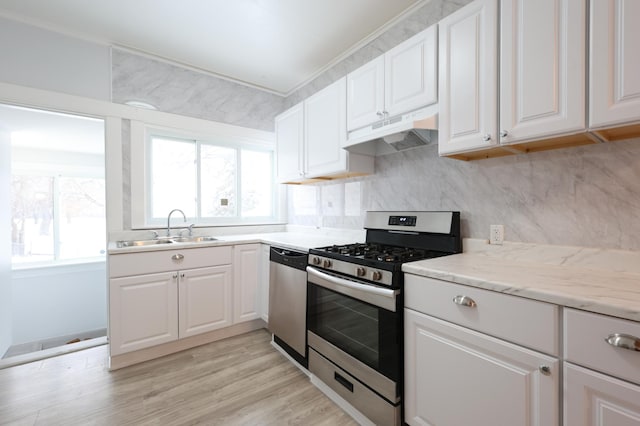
(402, 220)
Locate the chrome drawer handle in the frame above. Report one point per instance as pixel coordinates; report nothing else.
(465, 301)
(624, 341)
(177, 257)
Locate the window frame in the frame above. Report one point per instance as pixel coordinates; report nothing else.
(234, 137)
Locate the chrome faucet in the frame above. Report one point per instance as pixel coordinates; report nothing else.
(169, 220)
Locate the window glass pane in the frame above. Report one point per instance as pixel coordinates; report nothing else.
(173, 177)
(32, 218)
(256, 183)
(82, 218)
(218, 181)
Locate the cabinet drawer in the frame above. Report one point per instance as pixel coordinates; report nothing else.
(523, 321)
(121, 265)
(586, 345)
(361, 397)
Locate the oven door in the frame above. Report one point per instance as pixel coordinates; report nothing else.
(359, 319)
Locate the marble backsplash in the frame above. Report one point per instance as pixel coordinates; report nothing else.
(174, 89)
(585, 196)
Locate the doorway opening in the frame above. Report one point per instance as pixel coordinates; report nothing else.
(58, 290)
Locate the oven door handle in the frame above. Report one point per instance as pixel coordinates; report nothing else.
(382, 297)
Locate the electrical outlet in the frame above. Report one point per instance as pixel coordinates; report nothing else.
(496, 234)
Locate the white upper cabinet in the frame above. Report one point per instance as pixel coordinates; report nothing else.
(401, 80)
(310, 137)
(614, 84)
(468, 78)
(542, 68)
(289, 143)
(325, 130)
(541, 90)
(365, 94)
(411, 73)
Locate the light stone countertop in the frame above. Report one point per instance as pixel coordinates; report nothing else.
(601, 281)
(299, 239)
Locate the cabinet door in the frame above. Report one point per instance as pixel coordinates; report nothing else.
(246, 267)
(542, 68)
(264, 282)
(365, 94)
(325, 130)
(289, 143)
(205, 299)
(614, 69)
(411, 73)
(455, 376)
(468, 78)
(593, 399)
(143, 311)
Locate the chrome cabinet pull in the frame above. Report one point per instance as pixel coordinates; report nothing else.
(182, 275)
(486, 138)
(625, 341)
(545, 369)
(504, 133)
(175, 276)
(177, 257)
(464, 301)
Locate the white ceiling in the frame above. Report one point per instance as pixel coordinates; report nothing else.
(277, 45)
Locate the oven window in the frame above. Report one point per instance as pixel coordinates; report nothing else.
(364, 331)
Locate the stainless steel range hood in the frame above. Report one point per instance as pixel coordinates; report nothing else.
(395, 134)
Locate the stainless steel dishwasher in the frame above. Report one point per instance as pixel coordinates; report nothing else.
(288, 301)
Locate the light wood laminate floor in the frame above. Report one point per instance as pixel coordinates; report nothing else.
(242, 380)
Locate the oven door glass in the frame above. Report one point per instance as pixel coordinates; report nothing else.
(366, 332)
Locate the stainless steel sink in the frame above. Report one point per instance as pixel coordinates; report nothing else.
(194, 239)
(138, 243)
(164, 240)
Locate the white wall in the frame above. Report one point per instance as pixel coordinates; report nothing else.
(5, 243)
(57, 301)
(47, 60)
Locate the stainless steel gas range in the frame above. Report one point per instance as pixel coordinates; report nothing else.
(355, 304)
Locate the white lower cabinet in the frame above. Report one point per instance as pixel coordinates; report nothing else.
(264, 281)
(595, 399)
(204, 300)
(148, 310)
(480, 357)
(157, 297)
(246, 265)
(143, 311)
(602, 372)
(457, 376)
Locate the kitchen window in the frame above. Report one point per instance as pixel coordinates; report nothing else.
(57, 188)
(214, 180)
(57, 218)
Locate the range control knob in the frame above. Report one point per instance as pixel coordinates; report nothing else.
(316, 260)
(376, 276)
(360, 271)
(326, 263)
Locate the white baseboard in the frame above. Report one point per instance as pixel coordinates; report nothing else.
(51, 352)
